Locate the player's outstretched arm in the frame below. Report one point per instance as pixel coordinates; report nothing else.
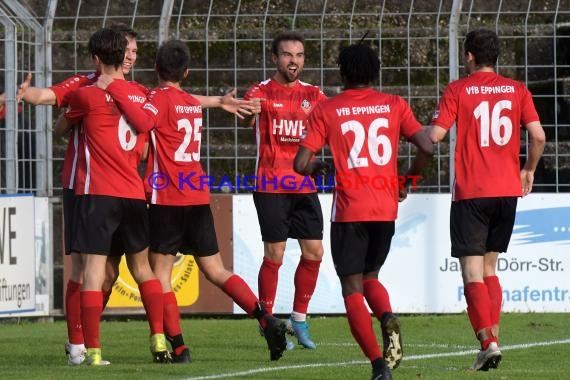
(35, 95)
(239, 107)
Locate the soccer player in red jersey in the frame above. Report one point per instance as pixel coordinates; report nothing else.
(59, 95)
(285, 208)
(488, 110)
(362, 127)
(180, 215)
(110, 197)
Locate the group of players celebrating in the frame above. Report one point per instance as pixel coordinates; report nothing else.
(110, 210)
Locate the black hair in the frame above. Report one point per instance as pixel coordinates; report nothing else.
(484, 45)
(285, 36)
(172, 60)
(109, 45)
(124, 28)
(359, 65)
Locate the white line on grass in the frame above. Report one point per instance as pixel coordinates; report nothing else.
(360, 362)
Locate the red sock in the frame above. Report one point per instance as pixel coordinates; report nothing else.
(171, 315)
(267, 283)
(479, 309)
(106, 296)
(496, 297)
(91, 310)
(360, 324)
(151, 295)
(73, 312)
(305, 282)
(377, 297)
(241, 293)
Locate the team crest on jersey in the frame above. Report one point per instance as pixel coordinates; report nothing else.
(306, 105)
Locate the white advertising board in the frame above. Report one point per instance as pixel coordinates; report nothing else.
(17, 255)
(420, 274)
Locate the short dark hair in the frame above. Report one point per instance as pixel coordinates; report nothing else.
(172, 60)
(124, 28)
(286, 36)
(484, 45)
(359, 64)
(109, 45)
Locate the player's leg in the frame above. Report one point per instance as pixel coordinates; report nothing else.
(272, 213)
(380, 238)
(306, 224)
(349, 245)
(469, 223)
(134, 230)
(167, 225)
(74, 347)
(112, 267)
(202, 242)
(96, 220)
(500, 231)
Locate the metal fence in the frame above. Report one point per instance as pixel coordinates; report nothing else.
(419, 43)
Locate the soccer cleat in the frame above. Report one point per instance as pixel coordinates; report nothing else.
(93, 357)
(392, 340)
(489, 358)
(290, 345)
(75, 353)
(274, 334)
(158, 349)
(302, 332)
(184, 357)
(382, 374)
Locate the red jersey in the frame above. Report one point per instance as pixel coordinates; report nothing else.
(488, 110)
(173, 168)
(362, 128)
(109, 148)
(278, 130)
(63, 91)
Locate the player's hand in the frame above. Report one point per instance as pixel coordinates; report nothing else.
(402, 194)
(104, 81)
(319, 167)
(23, 87)
(527, 179)
(239, 107)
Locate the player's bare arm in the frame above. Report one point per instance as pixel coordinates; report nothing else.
(535, 149)
(436, 133)
(35, 95)
(229, 103)
(62, 126)
(304, 164)
(424, 153)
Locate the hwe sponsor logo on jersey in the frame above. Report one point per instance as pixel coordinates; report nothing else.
(289, 130)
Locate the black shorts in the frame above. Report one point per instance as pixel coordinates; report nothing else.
(186, 229)
(360, 247)
(481, 225)
(110, 225)
(68, 223)
(283, 216)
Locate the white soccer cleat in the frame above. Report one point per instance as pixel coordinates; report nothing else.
(489, 358)
(75, 353)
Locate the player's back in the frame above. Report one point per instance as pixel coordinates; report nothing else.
(175, 149)
(110, 149)
(489, 110)
(363, 128)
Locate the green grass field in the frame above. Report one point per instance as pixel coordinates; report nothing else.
(435, 347)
